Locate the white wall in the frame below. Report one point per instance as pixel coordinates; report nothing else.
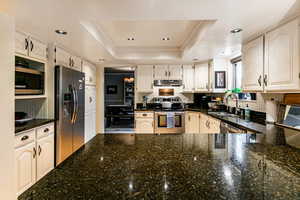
(100, 100)
(7, 102)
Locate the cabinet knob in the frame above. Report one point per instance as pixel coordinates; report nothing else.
(46, 130)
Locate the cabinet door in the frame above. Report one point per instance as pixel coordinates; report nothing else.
(144, 125)
(201, 77)
(144, 77)
(25, 170)
(90, 73)
(161, 72)
(175, 72)
(37, 49)
(90, 112)
(204, 124)
(21, 43)
(62, 57)
(45, 155)
(253, 65)
(188, 78)
(282, 58)
(193, 122)
(76, 63)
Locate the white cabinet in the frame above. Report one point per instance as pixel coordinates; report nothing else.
(62, 57)
(188, 78)
(90, 113)
(192, 122)
(29, 46)
(144, 122)
(165, 72)
(21, 43)
(144, 77)
(202, 77)
(45, 156)
(76, 63)
(25, 167)
(282, 58)
(90, 73)
(37, 49)
(34, 156)
(175, 72)
(161, 72)
(253, 65)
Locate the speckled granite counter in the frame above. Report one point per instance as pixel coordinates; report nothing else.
(32, 124)
(188, 166)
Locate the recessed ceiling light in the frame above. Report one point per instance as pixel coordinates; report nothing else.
(130, 38)
(61, 32)
(237, 30)
(101, 60)
(165, 38)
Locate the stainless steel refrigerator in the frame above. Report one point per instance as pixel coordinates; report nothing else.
(69, 111)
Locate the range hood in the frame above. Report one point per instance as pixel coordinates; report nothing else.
(174, 83)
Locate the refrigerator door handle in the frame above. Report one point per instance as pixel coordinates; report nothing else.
(77, 105)
(74, 104)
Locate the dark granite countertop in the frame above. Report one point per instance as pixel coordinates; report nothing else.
(32, 124)
(187, 166)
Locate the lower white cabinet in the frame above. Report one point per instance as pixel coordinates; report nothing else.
(192, 122)
(144, 122)
(45, 156)
(25, 170)
(90, 113)
(34, 156)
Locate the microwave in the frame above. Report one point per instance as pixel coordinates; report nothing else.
(29, 81)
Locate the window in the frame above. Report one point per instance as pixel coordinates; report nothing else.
(237, 65)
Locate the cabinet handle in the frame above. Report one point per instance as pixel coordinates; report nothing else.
(169, 73)
(26, 43)
(25, 137)
(31, 44)
(189, 118)
(144, 115)
(46, 130)
(34, 152)
(70, 62)
(207, 86)
(259, 80)
(40, 150)
(266, 80)
(166, 73)
(91, 99)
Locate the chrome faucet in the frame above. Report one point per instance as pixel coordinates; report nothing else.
(235, 95)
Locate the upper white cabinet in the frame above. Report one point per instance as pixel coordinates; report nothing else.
(29, 46)
(202, 77)
(21, 43)
(253, 65)
(188, 78)
(282, 58)
(76, 63)
(166, 72)
(175, 72)
(144, 77)
(62, 57)
(161, 72)
(90, 73)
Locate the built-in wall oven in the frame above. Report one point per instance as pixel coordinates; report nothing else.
(169, 122)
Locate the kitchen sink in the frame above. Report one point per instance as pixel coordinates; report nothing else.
(223, 114)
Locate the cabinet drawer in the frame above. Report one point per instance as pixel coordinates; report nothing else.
(25, 138)
(144, 114)
(45, 130)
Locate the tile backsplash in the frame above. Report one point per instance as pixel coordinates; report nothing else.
(36, 108)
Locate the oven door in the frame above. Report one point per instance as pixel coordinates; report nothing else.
(169, 123)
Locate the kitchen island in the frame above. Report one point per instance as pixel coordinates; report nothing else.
(187, 166)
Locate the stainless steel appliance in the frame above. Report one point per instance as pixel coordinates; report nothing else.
(174, 83)
(169, 122)
(227, 128)
(69, 111)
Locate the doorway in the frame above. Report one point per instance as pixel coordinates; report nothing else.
(119, 95)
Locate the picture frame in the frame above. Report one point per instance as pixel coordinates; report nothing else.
(220, 79)
(111, 89)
